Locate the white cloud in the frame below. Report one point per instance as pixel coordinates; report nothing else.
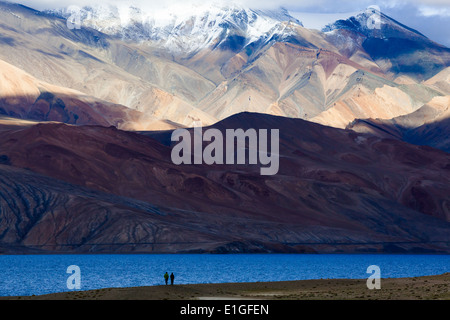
(427, 11)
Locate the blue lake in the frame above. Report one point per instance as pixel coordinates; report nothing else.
(41, 274)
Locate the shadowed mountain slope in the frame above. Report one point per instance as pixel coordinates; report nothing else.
(336, 191)
(212, 63)
(429, 125)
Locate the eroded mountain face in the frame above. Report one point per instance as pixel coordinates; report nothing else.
(80, 184)
(90, 188)
(208, 63)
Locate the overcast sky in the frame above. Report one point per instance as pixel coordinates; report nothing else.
(430, 17)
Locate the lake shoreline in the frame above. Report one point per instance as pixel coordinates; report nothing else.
(435, 287)
(362, 253)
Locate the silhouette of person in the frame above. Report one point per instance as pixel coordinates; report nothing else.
(166, 277)
(172, 277)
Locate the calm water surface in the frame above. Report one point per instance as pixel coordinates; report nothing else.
(41, 274)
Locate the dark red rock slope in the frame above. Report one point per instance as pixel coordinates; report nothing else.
(97, 189)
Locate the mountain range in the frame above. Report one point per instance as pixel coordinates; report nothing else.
(86, 116)
(68, 188)
(221, 61)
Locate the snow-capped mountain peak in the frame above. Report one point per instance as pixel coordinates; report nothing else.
(186, 28)
(371, 22)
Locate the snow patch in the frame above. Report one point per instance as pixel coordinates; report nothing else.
(189, 27)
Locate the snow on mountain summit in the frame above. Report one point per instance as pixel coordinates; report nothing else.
(371, 22)
(182, 28)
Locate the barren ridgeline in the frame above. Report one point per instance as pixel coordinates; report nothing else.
(86, 148)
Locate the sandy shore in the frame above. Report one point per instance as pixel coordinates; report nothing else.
(429, 287)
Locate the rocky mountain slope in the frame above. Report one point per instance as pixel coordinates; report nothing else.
(26, 97)
(93, 63)
(73, 180)
(237, 59)
(428, 125)
(95, 189)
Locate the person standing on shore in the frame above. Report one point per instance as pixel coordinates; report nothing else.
(166, 277)
(172, 277)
